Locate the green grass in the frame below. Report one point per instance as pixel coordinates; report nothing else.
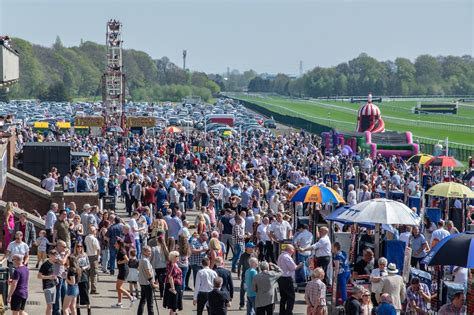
(320, 111)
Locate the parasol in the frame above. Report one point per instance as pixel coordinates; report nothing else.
(318, 194)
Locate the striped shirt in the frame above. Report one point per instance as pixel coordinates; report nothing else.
(315, 293)
(238, 235)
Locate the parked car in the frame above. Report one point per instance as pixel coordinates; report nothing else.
(269, 123)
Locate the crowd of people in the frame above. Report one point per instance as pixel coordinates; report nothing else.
(238, 191)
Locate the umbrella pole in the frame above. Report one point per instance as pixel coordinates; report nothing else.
(440, 288)
(377, 240)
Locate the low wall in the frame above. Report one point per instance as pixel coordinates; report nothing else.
(31, 196)
(25, 176)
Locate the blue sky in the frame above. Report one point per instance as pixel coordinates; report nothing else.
(268, 36)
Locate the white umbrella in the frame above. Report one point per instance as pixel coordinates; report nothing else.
(380, 211)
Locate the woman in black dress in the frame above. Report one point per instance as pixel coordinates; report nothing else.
(122, 263)
(83, 281)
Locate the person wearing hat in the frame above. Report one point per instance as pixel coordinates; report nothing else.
(242, 268)
(353, 305)
(393, 284)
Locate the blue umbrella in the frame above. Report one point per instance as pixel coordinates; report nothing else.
(454, 250)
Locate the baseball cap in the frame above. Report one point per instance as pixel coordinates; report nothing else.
(250, 245)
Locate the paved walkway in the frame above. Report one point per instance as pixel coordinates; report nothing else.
(108, 295)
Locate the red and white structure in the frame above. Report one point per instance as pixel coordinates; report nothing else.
(369, 117)
(113, 80)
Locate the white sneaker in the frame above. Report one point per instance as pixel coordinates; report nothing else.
(118, 305)
(132, 300)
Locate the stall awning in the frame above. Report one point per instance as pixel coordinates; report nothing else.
(41, 125)
(63, 125)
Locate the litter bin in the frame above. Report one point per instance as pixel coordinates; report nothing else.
(4, 277)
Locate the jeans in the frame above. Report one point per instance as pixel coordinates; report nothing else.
(138, 247)
(195, 269)
(219, 204)
(204, 200)
(189, 202)
(184, 271)
(60, 294)
(342, 280)
(237, 252)
(146, 297)
(105, 259)
(251, 305)
(112, 257)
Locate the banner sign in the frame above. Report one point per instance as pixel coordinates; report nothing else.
(89, 121)
(41, 125)
(142, 121)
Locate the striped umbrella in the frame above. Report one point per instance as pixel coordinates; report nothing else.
(454, 250)
(420, 158)
(318, 194)
(444, 161)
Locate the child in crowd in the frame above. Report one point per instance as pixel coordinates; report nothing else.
(42, 242)
(132, 277)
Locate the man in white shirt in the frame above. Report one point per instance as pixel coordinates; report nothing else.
(264, 242)
(204, 284)
(93, 252)
(136, 231)
(50, 220)
(323, 250)
(302, 241)
(439, 234)
(279, 230)
(405, 236)
(351, 196)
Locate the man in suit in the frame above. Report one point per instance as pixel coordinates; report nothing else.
(226, 276)
(264, 285)
(393, 285)
(218, 300)
(27, 228)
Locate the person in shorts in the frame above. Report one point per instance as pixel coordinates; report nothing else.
(46, 273)
(42, 242)
(19, 286)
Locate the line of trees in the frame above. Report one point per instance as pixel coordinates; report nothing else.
(52, 73)
(427, 75)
